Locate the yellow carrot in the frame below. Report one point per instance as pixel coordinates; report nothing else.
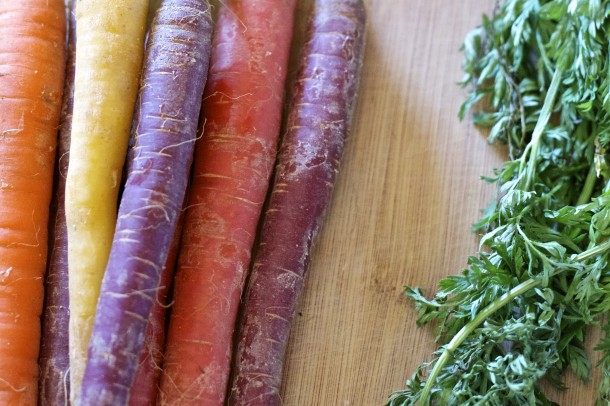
(109, 54)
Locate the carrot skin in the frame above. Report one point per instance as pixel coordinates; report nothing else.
(54, 382)
(233, 163)
(172, 88)
(32, 67)
(145, 388)
(317, 124)
(109, 54)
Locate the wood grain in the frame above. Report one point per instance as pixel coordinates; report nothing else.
(406, 196)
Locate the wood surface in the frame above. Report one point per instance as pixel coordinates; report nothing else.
(407, 193)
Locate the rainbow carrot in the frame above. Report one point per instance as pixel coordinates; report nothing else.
(54, 383)
(318, 122)
(109, 54)
(32, 65)
(145, 387)
(234, 160)
(173, 80)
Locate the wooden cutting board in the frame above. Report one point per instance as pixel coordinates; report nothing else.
(406, 196)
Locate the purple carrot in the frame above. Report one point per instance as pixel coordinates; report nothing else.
(318, 121)
(173, 79)
(54, 382)
(145, 388)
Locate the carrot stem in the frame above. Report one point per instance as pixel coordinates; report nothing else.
(465, 332)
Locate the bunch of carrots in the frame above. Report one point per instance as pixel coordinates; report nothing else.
(132, 238)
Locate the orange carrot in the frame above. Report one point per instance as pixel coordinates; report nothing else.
(234, 160)
(32, 49)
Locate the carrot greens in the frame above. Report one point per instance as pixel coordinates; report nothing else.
(539, 73)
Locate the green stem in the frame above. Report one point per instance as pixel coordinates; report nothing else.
(545, 59)
(587, 189)
(497, 304)
(545, 115)
(459, 338)
(597, 250)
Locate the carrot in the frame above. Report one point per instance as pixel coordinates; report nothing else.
(54, 385)
(318, 121)
(173, 80)
(145, 389)
(233, 163)
(109, 55)
(32, 65)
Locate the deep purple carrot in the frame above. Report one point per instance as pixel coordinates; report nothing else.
(318, 121)
(54, 382)
(145, 388)
(173, 80)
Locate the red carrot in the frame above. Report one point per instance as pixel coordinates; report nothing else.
(233, 164)
(318, 121)
(54, 383)
(172, 87)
